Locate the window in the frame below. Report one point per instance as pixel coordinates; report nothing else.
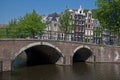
(89, 20)
(55, 24)
(88, 26)
(82, 22)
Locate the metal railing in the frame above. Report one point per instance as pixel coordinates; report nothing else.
(97, 37)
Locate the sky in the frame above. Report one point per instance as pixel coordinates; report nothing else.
(10, 9)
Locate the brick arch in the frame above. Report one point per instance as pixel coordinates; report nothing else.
(82, 46)
(60, 61)
(79, 56)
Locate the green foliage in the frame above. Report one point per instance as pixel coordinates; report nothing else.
(98, 32)
(9, 31)
(94, 13)
(2, 33)
(85, 11)
(108, 13)
(66, 22)
(29, 25)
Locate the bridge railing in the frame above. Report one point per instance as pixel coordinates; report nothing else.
(54, 35)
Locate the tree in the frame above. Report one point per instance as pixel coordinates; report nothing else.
(66, 22)
(9, 30)
(3, 33)
(29, 25)
(108, 12)
(85, 11)
(94, 13)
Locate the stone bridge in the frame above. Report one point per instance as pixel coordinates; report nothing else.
(54, 52)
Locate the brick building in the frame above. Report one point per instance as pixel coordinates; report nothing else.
(89, 27)
(83, 25)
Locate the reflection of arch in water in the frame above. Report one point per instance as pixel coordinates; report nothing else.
(81, 54)
(41, 53)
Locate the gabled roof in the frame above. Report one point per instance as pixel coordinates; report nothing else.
(52, 17)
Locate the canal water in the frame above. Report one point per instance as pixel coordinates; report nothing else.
(77, 71)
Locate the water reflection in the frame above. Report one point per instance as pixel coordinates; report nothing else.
(82, 71)
(77, 71)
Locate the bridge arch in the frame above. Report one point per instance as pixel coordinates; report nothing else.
(42, 50)
(82, 53)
